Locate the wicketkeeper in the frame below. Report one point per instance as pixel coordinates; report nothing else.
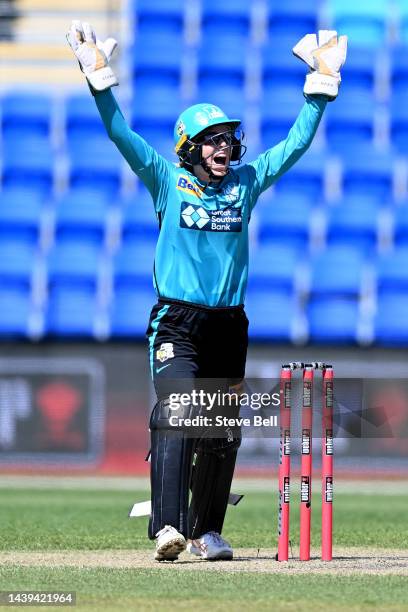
(198, 328)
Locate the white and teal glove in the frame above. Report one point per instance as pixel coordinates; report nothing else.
(93, 55)
(325, 57)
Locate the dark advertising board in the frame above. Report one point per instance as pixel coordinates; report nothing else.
(52, 410)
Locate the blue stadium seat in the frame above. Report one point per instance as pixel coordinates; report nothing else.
(401, 225)
(230, 17)
(391, 321)
(392, 271)
(82, 119)
(81, 214)
(336, 272)
(20, 214)
(133, 264)
(158, 57)
(308, 172)
(130, 311)
(150, 113)
(399, 119)
(152, 119)
(254, 148)
(208, 80)
(285, 220)
(271, 315)
(333, 320)
(281, 69)
(29, 162)
(353, 225)
(399, 72)
(15, 306)
(292, 18)
(159, 16)
(74, 264)
(359, 71)
(365, 22)
(273, 267)
(70, 312)
(98, 167)
(226, 10)
(368, 173)
(279, 108)
(138, 216)
(228, 96)
(230, 69)
(403, 21)
(350, 122)
(16, 264)
(26, 114)
(158, 137)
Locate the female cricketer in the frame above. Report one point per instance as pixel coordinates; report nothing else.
(198, 328)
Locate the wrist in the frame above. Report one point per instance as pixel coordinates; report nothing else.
(322, 84)
(102, 79)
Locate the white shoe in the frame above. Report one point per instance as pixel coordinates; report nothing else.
(169, 544)
(210, 546)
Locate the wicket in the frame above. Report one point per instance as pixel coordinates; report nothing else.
(306, 459)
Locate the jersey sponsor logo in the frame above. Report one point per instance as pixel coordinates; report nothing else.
(184, 184)
(166, 351)
(196, 217)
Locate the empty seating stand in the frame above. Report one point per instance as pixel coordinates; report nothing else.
(85, 228)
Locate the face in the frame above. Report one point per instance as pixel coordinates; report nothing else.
(215, 152)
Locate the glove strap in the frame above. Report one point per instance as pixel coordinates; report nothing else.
(322, 84)
(102, 79)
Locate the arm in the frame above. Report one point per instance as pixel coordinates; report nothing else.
(149, 166)
(93, 57)
(324, 55)
(270, 166)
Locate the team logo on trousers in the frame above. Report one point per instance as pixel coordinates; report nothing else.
(165, 351)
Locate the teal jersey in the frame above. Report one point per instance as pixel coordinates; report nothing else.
(202, 250)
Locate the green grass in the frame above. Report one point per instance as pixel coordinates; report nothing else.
(41, 520)
(90, 520)
(165, 588)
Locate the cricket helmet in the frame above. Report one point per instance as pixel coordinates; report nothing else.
(197, 119)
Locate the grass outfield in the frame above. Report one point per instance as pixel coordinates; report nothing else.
(41, 521)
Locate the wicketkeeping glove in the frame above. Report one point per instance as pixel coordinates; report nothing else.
(93, 55)
(325, 58)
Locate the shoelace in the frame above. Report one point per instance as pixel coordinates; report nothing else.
(218, 539)
(165, 529)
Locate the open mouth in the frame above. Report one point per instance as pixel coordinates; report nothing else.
(220, 160)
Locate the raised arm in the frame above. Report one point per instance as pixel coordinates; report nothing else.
(324, 56)
(149, 166)
(93, 57)
(269, 166)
